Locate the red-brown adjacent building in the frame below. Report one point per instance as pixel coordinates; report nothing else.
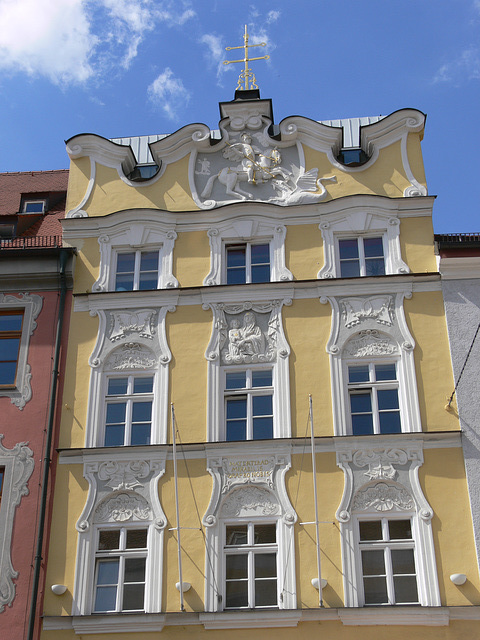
(35, 299)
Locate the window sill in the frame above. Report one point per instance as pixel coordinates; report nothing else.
(251, 619)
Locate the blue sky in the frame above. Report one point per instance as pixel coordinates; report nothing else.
(135, 67)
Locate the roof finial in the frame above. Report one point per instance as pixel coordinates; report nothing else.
(246, 79)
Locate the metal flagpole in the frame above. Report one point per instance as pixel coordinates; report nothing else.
(176, 509)
(317, 532)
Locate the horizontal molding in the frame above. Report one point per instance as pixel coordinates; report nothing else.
(371, 616)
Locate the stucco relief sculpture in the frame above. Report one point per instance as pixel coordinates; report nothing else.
(383, 496)
(378, 308)
(246, 342)
(249, 501)
(370, 343)
(122, 507)
(124, 323)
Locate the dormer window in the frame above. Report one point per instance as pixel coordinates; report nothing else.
(34, 206)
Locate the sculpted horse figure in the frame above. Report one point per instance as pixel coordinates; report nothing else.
(255, 168)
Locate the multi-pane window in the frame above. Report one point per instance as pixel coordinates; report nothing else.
(388, 562)
(34, 206)
(11, 323)
(248, 404)
(250, 566)
(120, 570)
(128, 414)
(247, 263)
(137, 270)
(373, 394)
(361, 257)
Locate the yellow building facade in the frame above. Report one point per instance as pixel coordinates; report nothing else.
(220, 286)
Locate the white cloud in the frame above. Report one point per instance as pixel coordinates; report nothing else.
(465, 67)
(70, 41)
(47, 37)
(273, 16)
(215, 45)
(168, 92)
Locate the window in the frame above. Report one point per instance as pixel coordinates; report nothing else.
(137, 270)
(247, 263)
(120, 570)
(248, 404)
(11, 323)
(361, 257)
(388, 562)
(34, 206)
(373, 392)
(2, 473)
(128, 414)
(250, 566)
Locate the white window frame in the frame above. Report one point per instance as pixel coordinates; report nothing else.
(249, 549)
(136, 269)
(28, 201)
(121, 554)
(30, 305)
(361, 253)
(248, 259)
(126, 237)
(129, 399)
(246, 231)
(359, 222)
(386, 545)
(373, 386)
(249, 392)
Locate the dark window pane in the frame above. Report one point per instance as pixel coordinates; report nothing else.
(262, 378)
(236, 535)
(236, 408)
(262, 428)
(9, 348)
(265, 565)
(370, 530)
(107, 571)
(374, 267)
(362, 424)
(260, 254)
(125, 262)
(400, 529)
(143, 385)
(265, 534)
(373, 247)
(135, 570)
(236, 276)
(387, 399)
(236, 380)
(390, 422)
(360, 402)
(236, 257)
(7, 372)
(348, 249)
(136, 539)
(11, 322)
(405, 589)
(236, 567)
(358, 374)
(403, 561)
(236, 430)
(350, 269)
(133, 597)
(236, 594)
(265, 593)
(147, 282)
(385, 372)
(114, 435)
(262, 405)
(142, 411)
(117, 386)
(116, 413)
(149, 261)
(373, 562)
(140, 434)
(34, 207)
(106, 599)
(260, 273)
(109, 539)
(375, 590)
(124, 283)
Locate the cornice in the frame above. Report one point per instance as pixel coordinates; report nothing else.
(103, 151)
(391, 128)
(460, 268)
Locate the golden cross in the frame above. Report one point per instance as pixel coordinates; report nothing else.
(246, 79)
